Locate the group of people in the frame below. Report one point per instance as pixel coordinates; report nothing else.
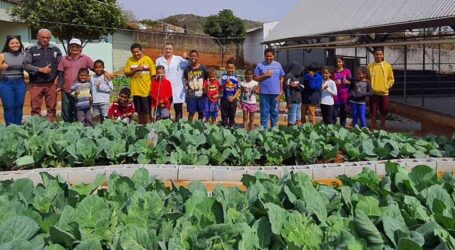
(336, 91)
(173, 80)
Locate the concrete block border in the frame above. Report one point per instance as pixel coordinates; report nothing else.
(224, 173)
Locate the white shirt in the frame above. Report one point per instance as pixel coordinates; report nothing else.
(328, 94)
(174, 73)
(248, 95)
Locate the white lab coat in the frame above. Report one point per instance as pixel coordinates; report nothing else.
(174, 73)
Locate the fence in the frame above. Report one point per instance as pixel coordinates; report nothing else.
(424, 73)
(210, 52)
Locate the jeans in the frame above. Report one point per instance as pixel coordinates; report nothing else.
(339, 110)
(327, 113)
(358, 111)
(178, 111)
(68, 107)
(84, 116)
(294, 113)
(228, 110)
(12, 93)
(269, 109)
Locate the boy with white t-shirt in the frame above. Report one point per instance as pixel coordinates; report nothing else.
(248, 103)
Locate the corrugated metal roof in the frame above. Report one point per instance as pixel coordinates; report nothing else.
(311, 18)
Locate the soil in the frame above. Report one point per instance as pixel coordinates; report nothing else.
(428, 126)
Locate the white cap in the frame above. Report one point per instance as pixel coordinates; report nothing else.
(75, 41)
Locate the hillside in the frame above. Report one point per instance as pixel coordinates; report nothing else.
(196, 23)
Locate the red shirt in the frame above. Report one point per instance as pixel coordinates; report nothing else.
(71, 67)
(116, 110)
(165, 93)
(212, 89)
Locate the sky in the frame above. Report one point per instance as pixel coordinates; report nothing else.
(257, 10)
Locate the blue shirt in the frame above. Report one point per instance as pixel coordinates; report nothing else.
(270, 85)
(230, 85)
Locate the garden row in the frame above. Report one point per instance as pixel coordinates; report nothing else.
(404, 210)
(40, 144)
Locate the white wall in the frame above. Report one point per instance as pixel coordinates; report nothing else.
(14, 29)
(253, 51)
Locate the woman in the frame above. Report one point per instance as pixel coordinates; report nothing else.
(342, 78)
(174, 67)
(12, 85)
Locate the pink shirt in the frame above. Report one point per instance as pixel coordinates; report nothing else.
(71, 67)
(342, 88)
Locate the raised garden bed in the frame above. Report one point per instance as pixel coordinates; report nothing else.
(38, 144)
(406, 209)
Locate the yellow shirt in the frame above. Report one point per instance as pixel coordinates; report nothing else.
(141, 80)
(382, 79)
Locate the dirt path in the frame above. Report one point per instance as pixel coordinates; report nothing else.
(428, 126)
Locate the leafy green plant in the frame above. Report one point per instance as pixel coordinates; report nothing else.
(404, 210)
(41, 144)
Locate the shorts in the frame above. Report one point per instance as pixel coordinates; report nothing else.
(162, 113)
(100, 109)
(211, 109)
(195, 105)
(249, 107)
(379, 102)
(142, 104)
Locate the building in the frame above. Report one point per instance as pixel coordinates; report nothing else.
(8, 26)
(417, 36)
(253, 49)
(113, 49)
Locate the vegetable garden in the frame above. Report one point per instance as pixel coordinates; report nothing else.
(403, 210)
(41, 144)
(406, 209)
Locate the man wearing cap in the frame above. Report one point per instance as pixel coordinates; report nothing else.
(41, 61)
(68, 69)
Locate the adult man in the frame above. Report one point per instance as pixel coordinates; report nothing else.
(382, 79)
(68, 69)
(41, 61)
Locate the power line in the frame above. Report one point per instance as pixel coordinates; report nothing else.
(126, 29)
(208, 36)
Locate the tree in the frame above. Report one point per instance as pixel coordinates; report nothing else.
(172, 21)
(226, 29)
(83, 19)
(129, 15)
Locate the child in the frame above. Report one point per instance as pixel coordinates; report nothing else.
(249, 90)
(141, 69)
(342, 77)
(329, 90)
(161, 92)
(195, 75)
(212, 89)
(101, 89)
(311, 94)
(358, 94)
(81, 91)
(230, 91)
(381, 79)
(293, 92)
(122, 109)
